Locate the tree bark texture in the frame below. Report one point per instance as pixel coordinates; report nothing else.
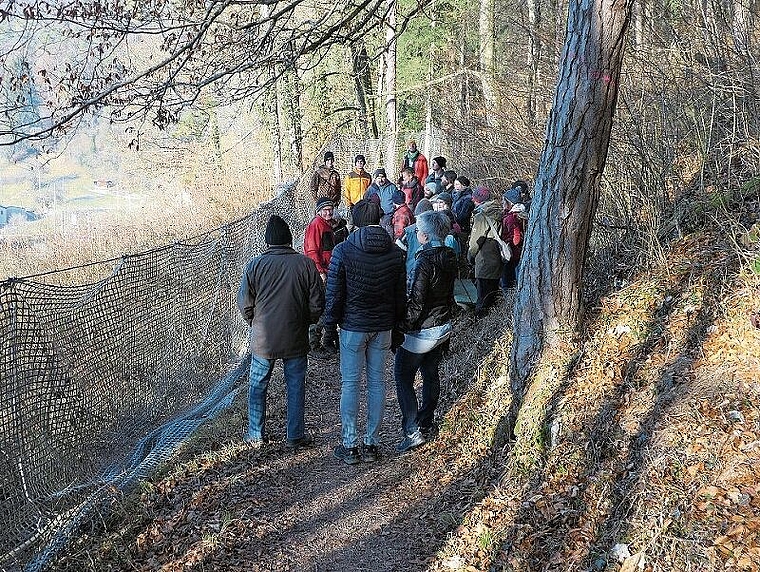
(548, 308)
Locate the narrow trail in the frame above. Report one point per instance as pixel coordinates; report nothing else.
(225, 506)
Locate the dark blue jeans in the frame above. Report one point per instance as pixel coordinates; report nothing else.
(295, 384)
(405, 368)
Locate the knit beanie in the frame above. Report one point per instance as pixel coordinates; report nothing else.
(380, 171)
(323, 202)
(481, 194)
(464, 180)
(329, 155)
(398, 198)
(441, 161)
(512, 195)
(366, 213)
(277, 232)
(520, 185)
(423, 206)
(442, 198)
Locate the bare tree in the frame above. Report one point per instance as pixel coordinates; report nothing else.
(548, 309)
(391, 113)
(154, 59)
(487, 40)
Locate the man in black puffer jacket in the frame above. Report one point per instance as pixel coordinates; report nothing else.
(428, 328)
(366, 297)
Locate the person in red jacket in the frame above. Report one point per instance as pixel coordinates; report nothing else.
(411, 187)
(320, 237)
(402, 215)
(416, 161)
(512, 230)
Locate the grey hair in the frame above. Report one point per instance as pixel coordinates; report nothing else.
(435, 224)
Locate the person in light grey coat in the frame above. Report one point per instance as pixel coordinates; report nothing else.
(483, 249)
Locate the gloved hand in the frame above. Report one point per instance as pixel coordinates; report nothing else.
(397, 338)
(481, 241)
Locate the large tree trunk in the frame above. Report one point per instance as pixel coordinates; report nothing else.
(548, 308)
(391, 118)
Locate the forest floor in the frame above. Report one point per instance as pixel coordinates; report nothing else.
(221, 505)
(637, 449)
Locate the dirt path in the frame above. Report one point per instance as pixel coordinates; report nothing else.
(237, 508)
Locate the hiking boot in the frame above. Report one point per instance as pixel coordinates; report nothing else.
(305, 441)
(410, 442)
(370, 453)
(430, 432)
(349, 455)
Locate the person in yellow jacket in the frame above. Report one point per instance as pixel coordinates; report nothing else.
(356, 182)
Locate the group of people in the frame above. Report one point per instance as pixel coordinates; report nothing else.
(385, 275)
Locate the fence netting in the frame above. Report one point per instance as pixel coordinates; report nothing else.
(105, 369)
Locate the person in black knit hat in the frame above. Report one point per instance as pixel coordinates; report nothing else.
(280, 294)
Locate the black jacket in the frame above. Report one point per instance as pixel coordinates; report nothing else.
(462, 206)
(432, 294)
(366, 282)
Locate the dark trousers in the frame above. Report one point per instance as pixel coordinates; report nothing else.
(487, 289)
(405, 367)
(509, 275)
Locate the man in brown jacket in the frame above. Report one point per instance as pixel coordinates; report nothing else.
(280, 294)
(325, 182)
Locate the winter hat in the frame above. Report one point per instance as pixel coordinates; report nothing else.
(451, 176)
(520, 185)
(277, 232)
(398, 198)
(359, 158)
(442, 198)
(512, 195)
(323, 202)
(423, 206)
(441, 161)
(464, 180)
(329, 155)
(380, 171)
(366, 213)
(481, 194)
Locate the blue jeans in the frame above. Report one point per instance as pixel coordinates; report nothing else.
(358, 349)
(405, 368)
(295, 384)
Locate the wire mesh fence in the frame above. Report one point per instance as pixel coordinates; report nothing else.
(106, 368)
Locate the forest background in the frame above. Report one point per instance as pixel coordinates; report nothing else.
(110, 123)
(186, 115)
